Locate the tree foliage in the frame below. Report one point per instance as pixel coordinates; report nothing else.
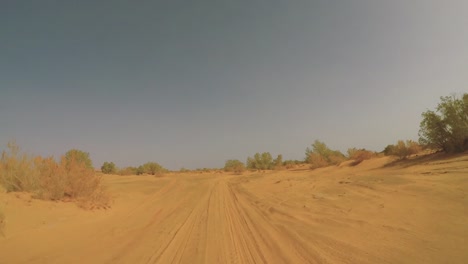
(235, 166)
(403, 149)
(108, 168)
(359, 155)
(259, 161)
(447, 127)
(151, 168)
(278, 162)
(320, 155)
(79, 156)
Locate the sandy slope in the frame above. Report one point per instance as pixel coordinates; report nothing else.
(363, 214)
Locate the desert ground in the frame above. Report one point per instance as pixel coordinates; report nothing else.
(380, 211)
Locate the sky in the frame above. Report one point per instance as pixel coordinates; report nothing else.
(195, 83)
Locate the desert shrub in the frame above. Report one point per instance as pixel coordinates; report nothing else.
(289, 164)
(278, 162)
(321, 156)
(79, 156)
(317, 161)
(183, 170)
(128, 171)
(70, 179)
(53, 178)
(151, 168)
(389, 150)
(336, 157)
(403, 149)
(359, 155)
(259, 161)
(108, 168)
(17, 172)
(235, 166)
(447, 127)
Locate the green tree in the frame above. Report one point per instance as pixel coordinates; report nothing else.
(152, 168)
(259, 161)
(278, 162)
(447, 127)
(389, 150)
(108, 168)
(80, 157)
(403, 149)
(235, 166)
(320, 155)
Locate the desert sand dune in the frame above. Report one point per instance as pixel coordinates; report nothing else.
(369, 213)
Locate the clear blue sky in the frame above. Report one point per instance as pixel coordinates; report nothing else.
(194, 83)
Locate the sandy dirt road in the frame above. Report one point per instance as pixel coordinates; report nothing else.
(362, 214)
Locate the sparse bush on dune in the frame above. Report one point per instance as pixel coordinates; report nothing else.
(184, 170)
(359, 155)
(278, 162)
(317, 161)
(289, 164)
(70, 179)
(17, 172)
(403, 149)
(128, 171)
(321, 156)
(447, 127)
(108, 168)
(151, 168)
(259, 161)
(79, 156)
(235, 166)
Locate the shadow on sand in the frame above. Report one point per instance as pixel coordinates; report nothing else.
(438, 157)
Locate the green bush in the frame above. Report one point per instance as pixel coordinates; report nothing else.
(108, 168)
(321, 156)
(151, 168)
(278, 162)
(235, 166)
(359, 155)
(403, 149)
(79, 156)
(69, 179)
(447, 127)
(259, 161)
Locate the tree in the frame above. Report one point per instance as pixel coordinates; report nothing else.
(320, 155)
(235, 166)
(403, 149)
(152, 168)
(108, 168)
(278, 162)
(78, 156)
(447, 127)
(259, 161)
(359, 155)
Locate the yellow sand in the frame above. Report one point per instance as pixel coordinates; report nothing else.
(376, 212)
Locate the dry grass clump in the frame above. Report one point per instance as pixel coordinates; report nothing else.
(403, 149)
(67, 180)
(317, 161)
(359, 155)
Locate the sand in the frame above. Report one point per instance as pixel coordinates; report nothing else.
(379, 211)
